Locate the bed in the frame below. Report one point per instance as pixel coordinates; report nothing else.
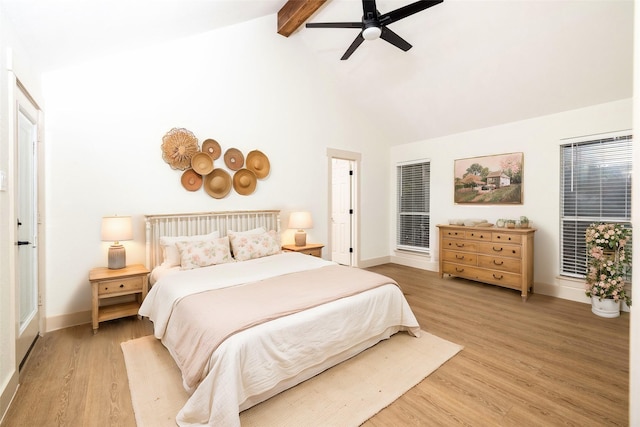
(250, 321)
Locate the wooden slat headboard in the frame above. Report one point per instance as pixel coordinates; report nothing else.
(191, 224)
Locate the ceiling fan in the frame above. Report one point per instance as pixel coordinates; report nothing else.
(374, 24)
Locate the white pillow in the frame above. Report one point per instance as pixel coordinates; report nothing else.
(170, 253)
(258, 230)
(250, 246)
(203, 253)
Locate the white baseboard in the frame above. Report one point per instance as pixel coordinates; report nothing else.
(570, 293)
(422, 261)
(373, 262)
(8, 393)
(67, 320)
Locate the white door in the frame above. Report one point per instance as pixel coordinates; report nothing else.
(26, 225)
(341, 211)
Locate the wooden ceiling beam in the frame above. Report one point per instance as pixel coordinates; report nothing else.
(294, 13)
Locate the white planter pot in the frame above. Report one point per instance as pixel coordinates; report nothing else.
(605, 307)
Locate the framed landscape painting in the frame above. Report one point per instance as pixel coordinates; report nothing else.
(495, 179)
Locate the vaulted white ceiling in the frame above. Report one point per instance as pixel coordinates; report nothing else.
(474, 63)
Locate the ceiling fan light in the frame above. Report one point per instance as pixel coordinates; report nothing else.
(371, 33)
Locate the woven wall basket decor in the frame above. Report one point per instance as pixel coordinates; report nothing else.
(179, 145)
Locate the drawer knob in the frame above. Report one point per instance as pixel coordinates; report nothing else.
(459, 256)
(498, 263)
(459, 270)
(497, 249)
(121, 285)
(498, 278)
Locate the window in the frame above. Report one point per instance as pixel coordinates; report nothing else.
(595, 187)
(413, 207)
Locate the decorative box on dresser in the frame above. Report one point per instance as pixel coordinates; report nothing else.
(498, 256)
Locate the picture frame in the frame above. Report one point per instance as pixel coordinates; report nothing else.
(496, 179)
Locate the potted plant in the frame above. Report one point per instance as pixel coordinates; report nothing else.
(608, 261)
(524, 222)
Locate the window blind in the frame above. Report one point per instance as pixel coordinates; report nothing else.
(413, 206)
(595, 186)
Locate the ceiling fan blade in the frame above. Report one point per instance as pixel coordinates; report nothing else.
(334, 25)
(403, 12)
(357, 42)
(394, 39)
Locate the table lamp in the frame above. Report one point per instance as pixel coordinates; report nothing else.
(115, 229)
(300, 221)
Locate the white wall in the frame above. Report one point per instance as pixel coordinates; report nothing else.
(106, 120)
(539, 139)
(14, 64)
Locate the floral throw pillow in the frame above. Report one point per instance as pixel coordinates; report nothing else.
(251, 246)
(204, 253)
(170, 252)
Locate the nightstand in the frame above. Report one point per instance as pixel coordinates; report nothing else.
(314, 249)
(106, 283)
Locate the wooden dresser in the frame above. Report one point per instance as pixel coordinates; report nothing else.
(499, 256)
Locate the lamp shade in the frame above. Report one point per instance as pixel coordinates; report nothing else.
(300, 220)
(116, 228)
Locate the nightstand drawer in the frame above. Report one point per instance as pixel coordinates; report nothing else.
(118, 286)
(313, 249)
(315, 252)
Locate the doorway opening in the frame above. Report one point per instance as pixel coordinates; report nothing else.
(343, 206)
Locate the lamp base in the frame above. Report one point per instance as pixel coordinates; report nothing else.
(301, 238)
(117, 257)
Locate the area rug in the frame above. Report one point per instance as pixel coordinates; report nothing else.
(347, 394)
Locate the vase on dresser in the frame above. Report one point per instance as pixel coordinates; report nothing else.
(605, 307)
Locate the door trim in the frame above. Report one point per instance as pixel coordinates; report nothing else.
(22, 97)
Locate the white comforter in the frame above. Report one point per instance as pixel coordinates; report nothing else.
(257, 363)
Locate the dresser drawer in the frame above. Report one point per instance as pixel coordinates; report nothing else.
(482, 235)
(511, 265)
(117, 286)
(459, 270)
(507, 238)
(459, 245)
(507, 280)
(456, 234)
(461, 257)
(497, 249)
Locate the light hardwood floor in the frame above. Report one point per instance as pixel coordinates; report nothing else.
(545, 362)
